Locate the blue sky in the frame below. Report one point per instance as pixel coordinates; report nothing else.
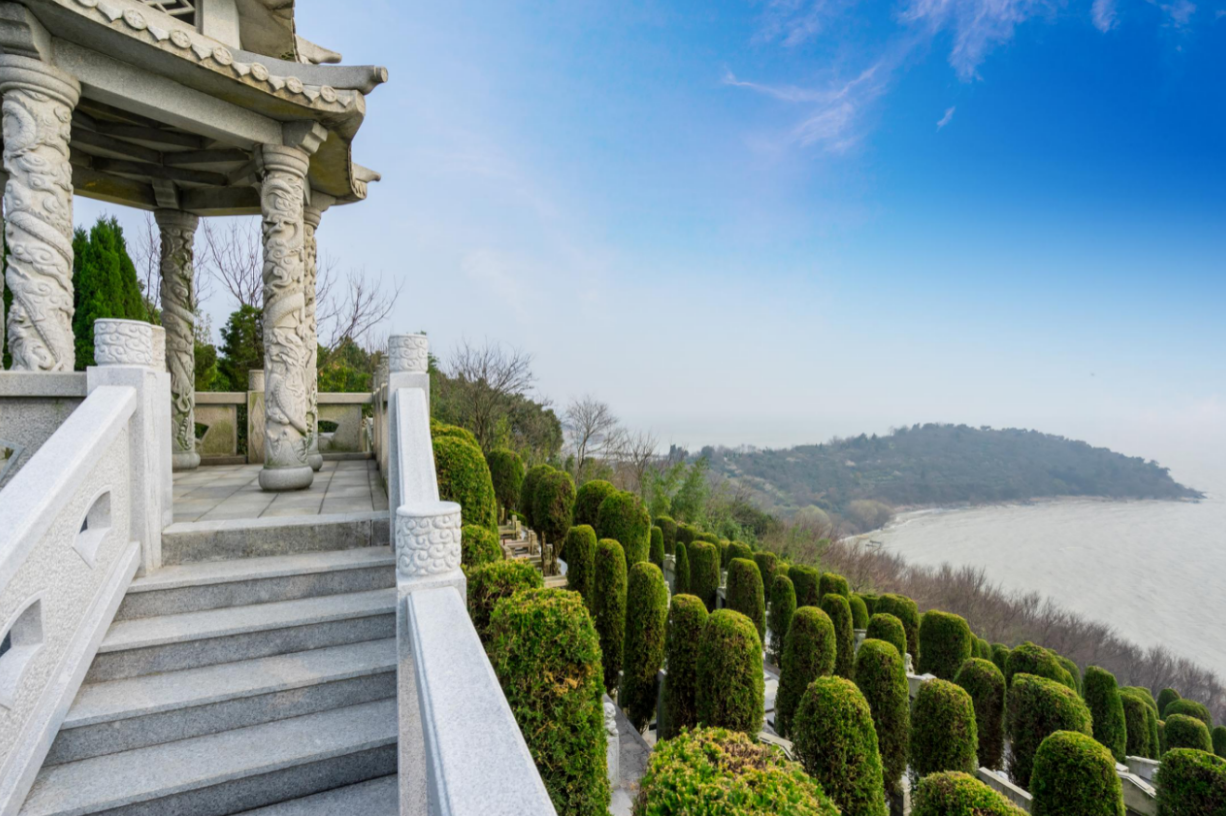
(770, 222)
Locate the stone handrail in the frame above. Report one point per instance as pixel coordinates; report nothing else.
(461, 751)
(219, 411)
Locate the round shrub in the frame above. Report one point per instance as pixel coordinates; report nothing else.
(704, 572)
(782, 607)
(809, 652)
(490, 583)
(832, 584)
(686, 533)
(1190, 708)
(681, 569)
(833, 738)
(906, 610)
(954, 793)
(859, 612)
(554, 508)
(1000, 656)
(643, 655)
(441, 430)
(610, 607)
(882, 680)
(547, 657)
(507, 472)
(1138, 738)
(624, 519)
(464, 478)
(984, 650)
(669, 528)
(710, 538)
(1037, 708)
(715, 771)
(478, 545)
(730, 681)
(1219, 741)
(739, 549)
(945, 644)
(944, 736)
(1146, 695)
(655, 552)
(986, 685)
(1165, 698)
(687, 617)
(883, 626)
(1154, 730)
(581, 562)
(1102, 697)
(870, 601)
(527, 494)
(767, 563)
(839, 610)
(1074, 673)
(1191, 783)
(805, 581)
(745, 593)
(1074, 775)
(1183, 731)
(588, 499)
(1028, 658)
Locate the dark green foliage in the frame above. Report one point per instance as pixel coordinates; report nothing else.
(242, 347)
(704, 572)
(1191, 708)
(1000, 656)
(1074, 673)
(882, 679)
(805, 580)
(906, 610)
(1037, 708)
(1165, 698)
(834, 739)
(1146, 695)
(439, 430)
(767, 563)
(839, 610)
(687, 617)
(716, 772)
(507, 471)
(478, 546)
(669, 528)
(710, 538)
(1102, 697)
(832, 584)
(1191, 783)
(958, 794)
(588, 499)
(681, 569)
(745, 593)
(1074, 775)
(490, 583)
(464, 478)
(730, 682)
(1155, 729)
(883, 626)
(1219, 741)
(554, 507)
(782, 607)
(581, 563)
(944, 736)
(527, 495)
(725, 553)
(104, 285)
(1161, 740)
(686, 533)
(655, 553)
(870, 601)
(1183, 731)
(859, 612)
(739, 549)
(945, 644)
(1028, 658)
(546, 655)
(983, 650)
(986, 685)
(1138, 739)
(610, 607)
(623, 518)
(646, 619)
(809, 652)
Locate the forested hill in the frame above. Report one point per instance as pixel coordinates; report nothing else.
(942, 464)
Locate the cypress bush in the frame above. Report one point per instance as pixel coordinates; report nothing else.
(884, 626)
(859, 612)
(870, 601)
(809, 652)
(882, 680)
(805, 580)
(984, 652)
(833, 738)
(1165, 698)
(1028, 658)
(944, 736)
(1000, 656)
(490, 583)
(710, 538)
(554, 510)
(439, 430)
(945, 644)
(704, 572)
(588, 499)
(687, 534)
(730, 681)
(104, 284)
(681, 569)
(715, 771)
(1102, 697)
(725, 553)
(745, 593)
(1191, 783)
(464, 478)
(767, 563)
(610, 607)
(1074, 775)
(656, 549)
(839, 610)
(1219, 741)
(1155, 741)
(906, 610)
(1037, 708)
(1183, 731)
(527, 494)
(643, 654)
(547, 657)
(507, 472)
(831, 584)
(782, 607)
(739, 549)
(954, 793)
(669, 528)
(1146, 696)
(687, 617)
(1161, 741)
(1190, 708)
(1138, 738)
(478, 546)
(1074, 673)
(986, 685)
(581, 562)
(623, 518)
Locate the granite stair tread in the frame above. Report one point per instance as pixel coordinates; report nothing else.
(377, 797)
(204, 573)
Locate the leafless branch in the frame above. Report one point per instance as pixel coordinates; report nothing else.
(349, 307)
(490, 377)
(592, 430)
(232, 253)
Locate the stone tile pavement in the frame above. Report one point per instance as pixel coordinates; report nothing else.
(215, 493)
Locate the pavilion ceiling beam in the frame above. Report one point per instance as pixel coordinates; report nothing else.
(89, 183)
(140, 133)
(167, 194)
(153, 171)
(120, 149)
(221, 201)
(220, 156)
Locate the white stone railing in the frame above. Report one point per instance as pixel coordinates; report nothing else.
(77, 522)
(461, 751)
(219, 411)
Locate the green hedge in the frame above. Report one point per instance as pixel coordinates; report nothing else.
(681, 569)
(1219, 741)
(1027, 658)
(1183, 731)
(809, 652)
(954, 793)
(643, 654)
(588, 500)
(547, 657)
(624, 519)
(655, 552)
(782, 607)
(478, 545)
(730, 681)
(1074, 775)
(1037, 708)
(945, 644)
(805, 580)
(884, 626)
(739, 549)
(687, 617)
(1155, 728)
(833, 738)
(745, 593)
(464, 478)
(839, 610)
(704, 572)
(832, 584)
(1190, 708)
(882, 679)
(984, 650)
(554, 507)
(710, 538)
(610, 607)
(859, 612)
(986, 685)
(906, 610)
(490, 583)
(669, 528)
(716, 772)
(1102, 697)
(1138, 739)
(1148, 697)
(581, 563)
(767, 563)
(507, 473)
(687, 533)
(1165, 698)
(1000, 656)
(1074, 673)
(527, 494)
(725, 552)
(944, 736)
(1191, 783)
(870, 601)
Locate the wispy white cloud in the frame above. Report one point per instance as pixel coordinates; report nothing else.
(978, 25)
(795, 22)
(1180, 12)
(949, 114)
(1103, 13)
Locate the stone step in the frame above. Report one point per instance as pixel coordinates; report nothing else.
(378, 797)
(216, 584)
(227, 773)
(171, 642)
(121, 715)
(199, 541)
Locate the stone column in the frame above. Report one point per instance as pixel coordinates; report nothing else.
(38, 105)
(311, 215)
(178, 231)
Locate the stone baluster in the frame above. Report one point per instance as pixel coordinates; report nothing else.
(178, 232)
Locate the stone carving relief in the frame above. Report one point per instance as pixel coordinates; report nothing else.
(311, 218)
(428, 543)
(408, 353)
(178, 231)
(125, 342)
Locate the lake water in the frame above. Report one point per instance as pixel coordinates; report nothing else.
(1156, 570)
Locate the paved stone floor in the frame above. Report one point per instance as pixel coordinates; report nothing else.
(214, 493)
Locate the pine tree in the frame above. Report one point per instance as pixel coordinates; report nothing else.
(104, 284)
(242, 346)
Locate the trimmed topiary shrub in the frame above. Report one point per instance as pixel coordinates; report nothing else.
(1219, 741)
(1154, 729)
(767, 563)
(1102, 697)
(883, 626)
(588, 499)
(1138, 738)
(782, 607)
(954, 793)
(655, 553)
(547, 657)
(1161, 741)
(1183, 731)
(839, 610)
(882, 679)
(832, 584)
(581, 563)
(687, 533)
(945, 644)
(859, 612)
(1165, 698)
(687, 617)
(809, 652)
(986, 685)
(704, 572)
(715, 771)
(681, 569)
(833, 738)
(553, 511)
(1028, 658)
(643, 655)
(870, 601)
(1146, 695)
(745, 593)
(610, 607)
(527, 494)
(507, 473)
(1000, 656)
(490, 583)
(1191, 783)
(730, 681)
(725, 552)
(624, 519)
(1037, 708)
(441, 430)
(739, 549)
(478, 546)
(669, 528)
(464, 478)
(1074, 775)
(905, 609)
(944, 736)
(1190, 708)
(984, 650)
(1074, 673)
(805, 581)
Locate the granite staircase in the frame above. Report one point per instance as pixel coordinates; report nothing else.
(263, 685)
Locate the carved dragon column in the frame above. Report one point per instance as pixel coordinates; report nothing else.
(178, 232)
(37, 107)
(311, 216)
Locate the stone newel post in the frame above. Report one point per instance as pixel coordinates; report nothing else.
(178, 231)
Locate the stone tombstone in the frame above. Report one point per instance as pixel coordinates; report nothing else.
(255, 417)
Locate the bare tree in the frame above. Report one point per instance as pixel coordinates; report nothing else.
(637, 457)
(490, 378)
(348, 307)
(234, 255)
(592, 428)
(145, 249)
